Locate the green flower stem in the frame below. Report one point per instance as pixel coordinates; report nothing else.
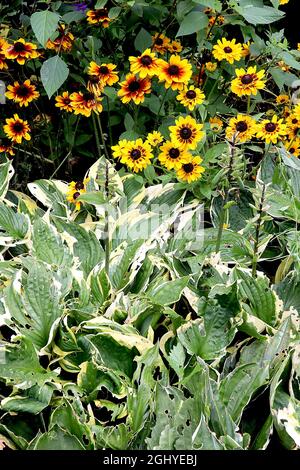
(248, 104)
(69, 152)
(257, 232)
(161, 105)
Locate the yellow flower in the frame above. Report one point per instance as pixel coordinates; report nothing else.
(282, 99)
(293, 146)
(22, 93)
(134, 88)
(246, 49)
(85, 103)
(248, 82)
(105, 72)
(154, 138)
(3, 47)
(17, 129)
(175, 73)
(64, 102)
(6, 146)
(146, 65)
(174, 47)
(117, 150)
(21, 51)
(284, 67)
(216, 124)
(191, 97)
(160, 43)
(298, 46)
(271, 130)
(228, 50)
(95, 85)
(63, 42)
(173, 155)
(211, 66)
(293, 124)
(137, 155)
(75, 190)
(241, 128)
(186, 132)
(283, 2)
(99, 16)
(191, 170)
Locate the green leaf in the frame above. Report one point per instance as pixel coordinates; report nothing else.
(68, 18)
(192, 23)
(21, 365)
(35, 400)
(15, 224)
(48, 245)
(44, 24)
(166, 293)
(57, 439)
(215, 4)
(100, 285)
(54, 72)
(92, 197)
(6, 173)
(121, 260)
(257, 15)
(143, 40)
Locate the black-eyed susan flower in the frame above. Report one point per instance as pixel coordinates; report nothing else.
(105, 72)
(134, 88)
(296, 111)
(271, 131)
(293, 124)
(246, 49)
(95, 85)
(99, 16)
(191, 170)
(293, 146)
(3, 47)
(137, 155)
(283, 2)
(63, 101)
(172, 155)
(211, 66)
(154, 138)
(145, 65)
(282, 99)
(85, 103)
(22, 93)
(241, 128)
(190, 97)
(216, 20)
(216, 124)
(117, 150)
(21, 51)
(6, 146)
(17, 129)
(174, 47)
(75, 190)
(176, 73)
(248, 82)
(186, 132)
(227, 50)
(63, 42)
(160, 43)
(283, 66)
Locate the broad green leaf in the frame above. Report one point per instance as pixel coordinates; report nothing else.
(57, 439)
(257, 15)
(34, 400)
(143, 40)
(121, 259)
(215, 4)
(15, 224)
(48, 245)
(6, 173)
(54, 72)
(100, 285)
(166, 293)
(192, 23)
(44, 24)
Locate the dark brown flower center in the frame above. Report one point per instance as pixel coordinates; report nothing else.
(173, 70)
(19, 47)
(241, 126)
(88, 96)
(247, 79)
(174, 153)
(292, 150)
(159, 41)
(18, 127)
(191, 94)
(23, 91)
(146, 60)
(185, 133)
(294, 121)
(188, 167)
(133, 86)
(103, 69)
(76, 195)
(67, 101)
(79, 185)
(227, 49)
(270, 127)
(135, 154)
(101, 13)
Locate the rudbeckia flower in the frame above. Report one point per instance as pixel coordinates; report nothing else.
(75, 189)
(63, 42)
(85, 103)
(134, 88)
(176, 73)
(22, 93)
(117, 150)
(17, 129)
(191, 170)
(137, 155)
(160, 43)
(99, 16)
(174, 47)
(248, 82)
(216, 124)
(293, 146)
(227, 50)
(173, 155)
(146, 65)
(191, 97)
(6, 146)
(282, 99)
(21, 51)
(3, 47)
(211, 66)
(241, 128)
(64, 102)
(154, 138)
(186, 132)
(271, 130)
(105, 72)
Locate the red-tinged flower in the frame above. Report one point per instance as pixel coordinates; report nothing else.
(134, 88)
